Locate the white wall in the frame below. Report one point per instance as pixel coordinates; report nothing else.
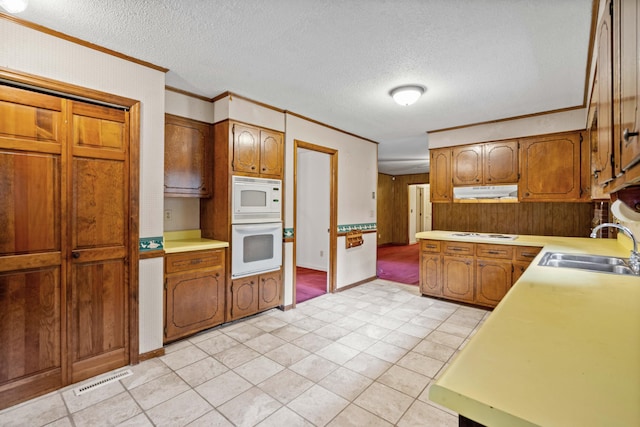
(30, 51)
(313, 203)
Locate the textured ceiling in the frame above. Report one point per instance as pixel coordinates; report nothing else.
(335, 61)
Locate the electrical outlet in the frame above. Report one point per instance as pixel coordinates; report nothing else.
(168, 215)
(321, 253)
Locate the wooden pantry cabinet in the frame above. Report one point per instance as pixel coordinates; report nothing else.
(475, 273)
(194, 292)
(257, 152)
(188, 157)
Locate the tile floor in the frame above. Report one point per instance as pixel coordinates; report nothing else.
(362, 357)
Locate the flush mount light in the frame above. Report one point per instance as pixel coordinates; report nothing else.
(406, 95)
(14, 6)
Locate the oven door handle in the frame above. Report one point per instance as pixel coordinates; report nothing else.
(253, 228)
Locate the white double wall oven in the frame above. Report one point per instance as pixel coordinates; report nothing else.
(256, 226)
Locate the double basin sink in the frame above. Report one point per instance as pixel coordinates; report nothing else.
(595, 263)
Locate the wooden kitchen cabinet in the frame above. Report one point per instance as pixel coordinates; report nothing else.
(550, 168)
(430, 268)
(252, 294)
(187, 157)
(194, 292)
(441, 187)
(491, 163)
(493, 273)
(522, 258)
(257, 152)
(458, 278)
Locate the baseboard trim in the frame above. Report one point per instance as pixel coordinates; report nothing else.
(151, 354)
(353, 285)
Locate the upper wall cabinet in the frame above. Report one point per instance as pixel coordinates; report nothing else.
(257, 151)
(187, 156)
(485, 164)
(551, 168)
(440, 176)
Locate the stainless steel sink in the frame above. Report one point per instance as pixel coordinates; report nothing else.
(595, 263)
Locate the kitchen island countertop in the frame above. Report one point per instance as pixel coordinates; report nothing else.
(561, 349)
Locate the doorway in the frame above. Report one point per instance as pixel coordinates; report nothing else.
(420, 212)
(315, 220)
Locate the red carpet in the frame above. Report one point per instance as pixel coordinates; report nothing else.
(310, 283)
(399, 263)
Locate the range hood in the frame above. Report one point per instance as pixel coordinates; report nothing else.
(486, 192)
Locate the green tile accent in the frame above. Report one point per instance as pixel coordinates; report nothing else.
(288, 233)
(150, 243)
(362, 227)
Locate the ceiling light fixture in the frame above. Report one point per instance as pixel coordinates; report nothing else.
(407, 95)
(14, 6)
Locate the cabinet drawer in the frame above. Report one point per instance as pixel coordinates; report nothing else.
(494, 251)
(193, 260)
(430, 246)
(458, 248)
(526, 253)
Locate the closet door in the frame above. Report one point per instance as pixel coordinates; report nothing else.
(31, 248)
(99, 232)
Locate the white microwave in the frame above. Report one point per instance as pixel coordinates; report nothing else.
(256, 200)
(255, 248)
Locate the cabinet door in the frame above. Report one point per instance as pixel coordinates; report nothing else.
(550, 168)
(603, 157)
(270, 290)
(493, 280)
(430, 274)
(626, 75)
(440, 176)
(518, 269)
(246, 149)
(458, 278)
(271, 153)
(467, 165)
(187, 157)
(244, 297)
(501, 162)
(194, 301)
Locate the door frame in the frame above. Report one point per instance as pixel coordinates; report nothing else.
(58, 88)
(333, 210)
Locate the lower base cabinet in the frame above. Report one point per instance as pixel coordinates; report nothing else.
(194, 292)
(475, 273)
(252, 294)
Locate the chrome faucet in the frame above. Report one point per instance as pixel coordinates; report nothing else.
(634, 258)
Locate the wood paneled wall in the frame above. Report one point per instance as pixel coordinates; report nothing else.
(393, 206)
(547, 219)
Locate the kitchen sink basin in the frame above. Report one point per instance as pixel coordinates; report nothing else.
(595, 263)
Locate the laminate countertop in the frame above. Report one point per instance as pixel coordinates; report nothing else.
(189, 240)
(561, 349)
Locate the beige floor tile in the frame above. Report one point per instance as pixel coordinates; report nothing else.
(408, 382)
(284, 417)
(444, 338)
(421, 364)
(434, 350)
(201, 371)
(289, 316)
(314, 367)
(289, 332)
(318, 405)
(269, 323)
(258, 369)
(455, 329)
(180, 410)
(355, 416)
(264, 343)
(388, 322)
(311, 342)
(367, 365)
(338, 353)
(244, 332)
(373, 331)
(159, 390)
(425, 322)
(439, 312)
(139, 420)
(204, 335)
(384, 402)
(350, 323)
(402, 340)
(64, 422)
(462, 320)
(328, 316)
(217, 344)
(212, 418)
(287, 354)
(249, 408)
(144, 372)
(387, 352)
(223, 388)
(423, 414)
(414, 330)
(285, 386)
(364, 315)
(39, 411)
(77, 403)
(404, 314)
(175, 346)
(183, 357)
(109, 412)
(345, 383)
(357, 341)
(236, 355)
(309, 324)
